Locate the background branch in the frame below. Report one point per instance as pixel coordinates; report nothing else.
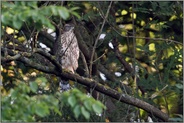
(96, 41)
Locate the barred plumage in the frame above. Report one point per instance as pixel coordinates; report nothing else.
(67, 52)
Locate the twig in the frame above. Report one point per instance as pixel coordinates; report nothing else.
(98, 58)
(96, 41)
(85, 64)
(134, 50)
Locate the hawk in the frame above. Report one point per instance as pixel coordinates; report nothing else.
(67, 53)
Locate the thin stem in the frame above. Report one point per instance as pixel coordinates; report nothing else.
(96, 41)
(134, 50)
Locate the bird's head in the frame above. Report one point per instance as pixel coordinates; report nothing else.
(68, 27)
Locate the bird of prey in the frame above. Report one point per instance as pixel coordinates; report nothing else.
(67, 53)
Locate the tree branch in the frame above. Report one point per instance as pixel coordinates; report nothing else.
(92, 84)
(116, 95)
(120, 58)
(125, 64)
(45, 69)
(10, 58)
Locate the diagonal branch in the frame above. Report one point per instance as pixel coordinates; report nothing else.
(125, 64)
(92, 84)
(116, 95)
(120, 58)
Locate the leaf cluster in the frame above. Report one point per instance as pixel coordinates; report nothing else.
(14, 16)
(82, 104)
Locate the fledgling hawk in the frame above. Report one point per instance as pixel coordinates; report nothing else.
(67, 53)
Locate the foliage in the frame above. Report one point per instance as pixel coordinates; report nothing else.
(82, 104)
(26, 102)
(149, 36)
(14, 16)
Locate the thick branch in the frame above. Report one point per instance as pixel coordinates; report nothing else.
(94, 85)
(114, 94)
(21, 57)
(45, 69)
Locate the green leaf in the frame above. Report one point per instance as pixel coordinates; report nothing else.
(72, 101)
(97, 108)
(13, 93)
(32, 4)
(19, 3)
(24, 15)
(87, 104)
(33, 86)
(76, 14)
(77, 111)
(42, 109)
(24, 88)
(7, 5)
(17, 23)
(6, 18)
(74, 8)
(85, 112)
(42, 81)
(46, 10)
(54, 10)
(63, 13)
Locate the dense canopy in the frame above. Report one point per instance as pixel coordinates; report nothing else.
(130, 66)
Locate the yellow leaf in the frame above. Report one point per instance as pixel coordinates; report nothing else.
(124, 12)
(134, 15)
(1, 68)
(107, 120)
(21, 39)
(9, 30)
